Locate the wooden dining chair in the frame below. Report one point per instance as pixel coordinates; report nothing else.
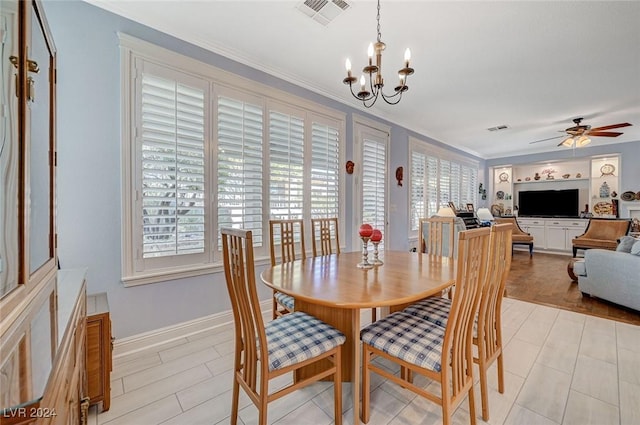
(488, 334)
(437, 236)
(289, 235)
(326, 237)
(487, 330)
(264, 352)
(443, 354)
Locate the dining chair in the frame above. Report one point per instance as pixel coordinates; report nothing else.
(326, 238)
(325, 232)
(438, 236)
(289, 235)
(266, 351)
(487, 328)
(443, 354)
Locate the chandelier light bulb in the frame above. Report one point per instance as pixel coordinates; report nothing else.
(347, 65)
(401, 76)
(407, 57)
(370, 51)
(363, 82)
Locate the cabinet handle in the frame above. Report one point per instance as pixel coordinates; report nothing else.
(31, 89)
(32, 66)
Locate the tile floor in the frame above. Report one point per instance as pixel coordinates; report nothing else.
(560, 368)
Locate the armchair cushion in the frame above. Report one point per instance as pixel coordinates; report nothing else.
(635, 249)
(626, 242)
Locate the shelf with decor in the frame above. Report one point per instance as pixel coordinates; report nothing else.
(605, 184)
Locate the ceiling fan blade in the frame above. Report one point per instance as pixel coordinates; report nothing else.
(609, 127)
(544, 140)
(604, 133)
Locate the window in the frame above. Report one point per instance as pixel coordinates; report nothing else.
(325, 164)
(437, 178)
(203, 149)
(286, 165)
(371, 150)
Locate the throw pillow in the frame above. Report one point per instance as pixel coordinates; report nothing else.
(626, 242)
(635, 249)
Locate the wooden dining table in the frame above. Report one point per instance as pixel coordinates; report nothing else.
(333, 289)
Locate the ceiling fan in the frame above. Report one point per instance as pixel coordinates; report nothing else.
(578, 135)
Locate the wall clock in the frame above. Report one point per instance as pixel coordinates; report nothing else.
(503, 177)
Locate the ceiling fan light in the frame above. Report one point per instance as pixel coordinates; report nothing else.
(568, 142)
(583, 141)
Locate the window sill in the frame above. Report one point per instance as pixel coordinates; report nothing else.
(180, 273)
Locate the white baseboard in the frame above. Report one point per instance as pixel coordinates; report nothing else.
(132, 344)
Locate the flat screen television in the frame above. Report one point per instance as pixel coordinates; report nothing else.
(548, 203)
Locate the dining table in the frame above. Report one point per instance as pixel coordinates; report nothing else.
(334, 289)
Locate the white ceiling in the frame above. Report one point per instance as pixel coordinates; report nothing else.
(533, 66)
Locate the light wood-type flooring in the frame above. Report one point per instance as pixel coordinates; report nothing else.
(561, 367)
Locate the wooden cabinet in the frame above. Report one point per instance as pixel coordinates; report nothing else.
(99, 350)
(43, 310)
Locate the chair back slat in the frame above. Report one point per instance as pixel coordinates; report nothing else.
(237, 249)
(326, 239)
(473, 251)
(489, 312)
(291, 240)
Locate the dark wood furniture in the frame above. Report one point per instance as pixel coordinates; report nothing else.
(99, 350)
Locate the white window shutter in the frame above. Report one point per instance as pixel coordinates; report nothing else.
(325, 164)
(374, 183)
(240, 158)
(173, 167)
(286, 166)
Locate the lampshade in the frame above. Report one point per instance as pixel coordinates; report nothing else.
(484, 214)
(445, 212)
(568, 142)
(583, 141)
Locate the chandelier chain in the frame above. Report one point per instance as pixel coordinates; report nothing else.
(378, 19)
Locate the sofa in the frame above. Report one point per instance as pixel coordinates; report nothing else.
(610, 275)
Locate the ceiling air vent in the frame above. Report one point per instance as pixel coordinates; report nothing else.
(323, 11)
(498, 127)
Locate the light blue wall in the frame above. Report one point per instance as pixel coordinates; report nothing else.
(89, 168)
(629, 164)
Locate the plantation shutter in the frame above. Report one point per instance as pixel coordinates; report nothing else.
(286, 166)
(173, 196)
(325, 164)
(418, 179)
(240, 135)
(433, 190)
(455, 184)
(444, 177)
(374, 178)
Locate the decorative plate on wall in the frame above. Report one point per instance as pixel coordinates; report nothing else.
(500, 194)
(607, 170)
(504, 177)
(628, 196)
(603, 208)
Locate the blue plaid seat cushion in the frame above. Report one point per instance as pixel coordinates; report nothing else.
(408, 338)
(434, 309)
(296, 337)
(285, 300)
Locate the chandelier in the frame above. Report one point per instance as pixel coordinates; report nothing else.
(369, 95)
